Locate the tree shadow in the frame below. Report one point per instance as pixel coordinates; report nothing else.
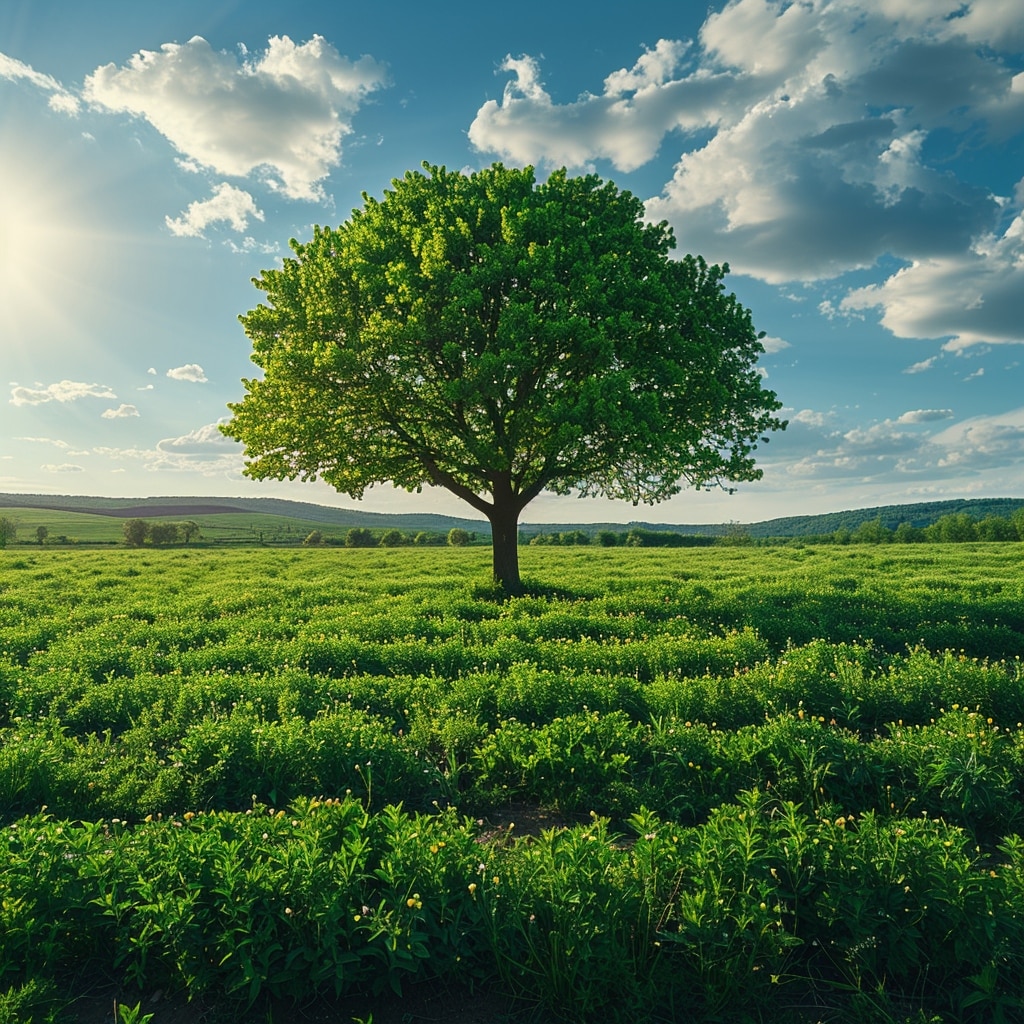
(499, 593)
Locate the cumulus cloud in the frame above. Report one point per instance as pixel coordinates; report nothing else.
(814, 139)
(64, 467)
(121, 412)
(812, 418)
(772, 345)
(204, 450)
(983, 441)
(201, 441)
(63, 391)
(281, 115)
(232, 205)
(192, 372)
(60, 99)
(971, 296)
(624, 124)
(903, 453)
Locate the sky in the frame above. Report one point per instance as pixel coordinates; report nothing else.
(859, 164)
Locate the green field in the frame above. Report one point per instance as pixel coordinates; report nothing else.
(747, 784)
(224, 528)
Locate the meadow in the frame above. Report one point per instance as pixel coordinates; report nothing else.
(242, 528)
(719, 784)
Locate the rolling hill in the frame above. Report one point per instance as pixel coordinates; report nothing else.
(239, 519)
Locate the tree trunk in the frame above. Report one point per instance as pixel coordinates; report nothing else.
(505, 545)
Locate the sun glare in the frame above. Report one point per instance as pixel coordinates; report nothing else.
(44, 257)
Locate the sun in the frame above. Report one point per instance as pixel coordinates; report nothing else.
(26, 230)
(46, 250)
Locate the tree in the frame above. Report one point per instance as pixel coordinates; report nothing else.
(1018, 522)
(135, 532)
(955, 528)
(871, 531)
(457, 537)
(499, 337)
(996, 528)
(8, 530)
(392, 539)
(163, 533)
(42, 533)
(359, 537)
(907, 533)
(314, 539)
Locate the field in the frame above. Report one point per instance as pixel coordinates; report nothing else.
(220, 528)
(724, 784)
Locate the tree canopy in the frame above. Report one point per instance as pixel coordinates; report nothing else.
(499, 337)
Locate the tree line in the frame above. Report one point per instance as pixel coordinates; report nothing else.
(138, 532)
(362, 537)
(636, 537)
(955, 528)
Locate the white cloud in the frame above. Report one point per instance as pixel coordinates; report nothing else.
(249, 244)
(60, 99)
(624, 124)
(972, 296)
(979, 372)
(882, 438)
(982, 442)
(815, 138)
(281, 115)
(230, 204)
(922, 366)
(763, 38)
(958, 457)
(811, 418)
(192, 372)
(995, 23)
(56, 442)
(204, 450)
(63, 391)
(772, 345)
(64, 467)
(121, 412)
(202, 441)
(925, 415)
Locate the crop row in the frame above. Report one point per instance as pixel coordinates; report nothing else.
(762, 907)
(962, 765)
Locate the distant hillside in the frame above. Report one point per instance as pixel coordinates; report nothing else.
(922, 513)
(918, 514)
(163, 507)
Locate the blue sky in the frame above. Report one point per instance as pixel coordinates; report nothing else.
(858, 163)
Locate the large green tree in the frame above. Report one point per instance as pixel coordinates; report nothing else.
(8, 530)
(498, 337)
